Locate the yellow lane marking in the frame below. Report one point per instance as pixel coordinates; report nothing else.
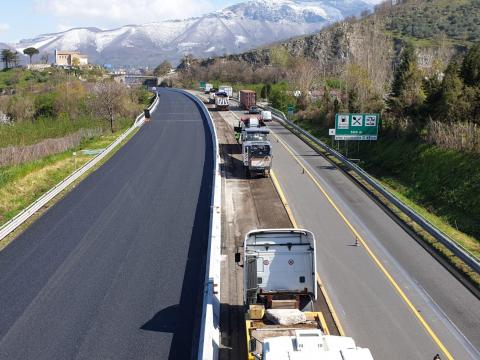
(283, 198)
(390, 278)
(335, 317)
(323, 323)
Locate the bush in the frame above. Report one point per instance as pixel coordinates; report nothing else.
(45, 105)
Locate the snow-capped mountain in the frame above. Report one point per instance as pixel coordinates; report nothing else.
(234, 29)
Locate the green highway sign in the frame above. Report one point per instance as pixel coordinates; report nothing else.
(356, 126)
(202, 84)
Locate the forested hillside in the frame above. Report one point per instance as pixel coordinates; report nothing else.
(417, 63)
(435, 21)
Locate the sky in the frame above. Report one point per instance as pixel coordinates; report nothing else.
(23, 19)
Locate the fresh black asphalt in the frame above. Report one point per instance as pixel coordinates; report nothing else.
(115, 269)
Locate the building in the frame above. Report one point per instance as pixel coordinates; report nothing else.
(67, 58)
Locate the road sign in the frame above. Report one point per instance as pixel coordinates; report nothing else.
(356, 126)
(202, 84)
(290, 110)
(331, 132)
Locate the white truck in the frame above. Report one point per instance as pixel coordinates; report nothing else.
(211, 98)
(256, 148)
(266, 115)
(208, 87)
(222, 101)
(279, 295)
(227, 89)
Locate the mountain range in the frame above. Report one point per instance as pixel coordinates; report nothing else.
(235, 29)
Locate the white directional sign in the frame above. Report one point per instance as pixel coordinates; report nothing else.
(357, 120)
(370, 120)
(342, 122)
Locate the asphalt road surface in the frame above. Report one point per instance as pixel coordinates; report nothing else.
(115, 269)
(368, 305)
(371, 309)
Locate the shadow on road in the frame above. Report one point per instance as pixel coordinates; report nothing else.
(164, 321)
(232, 327)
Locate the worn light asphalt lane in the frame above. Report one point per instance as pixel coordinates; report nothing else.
(370, 308)
(115, 269)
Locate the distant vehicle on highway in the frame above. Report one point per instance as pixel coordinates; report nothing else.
(211, 98)
(208, 87)
(221, 101)
(254, 110)
(256, 149)
(266, 115)
(227, 89)
(248, 98)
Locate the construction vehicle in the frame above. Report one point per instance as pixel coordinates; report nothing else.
(256, 149)
(280, 291)
(226, 88)
(221, 101)
(248, 98)
(247, 122)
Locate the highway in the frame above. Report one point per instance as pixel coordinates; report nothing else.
(437, 313)
(115, 269)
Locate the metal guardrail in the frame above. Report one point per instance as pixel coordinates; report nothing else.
(459, 251)
(26, 213)
(209, 342)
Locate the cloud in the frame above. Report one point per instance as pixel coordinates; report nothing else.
(4, 27)
(122, 12)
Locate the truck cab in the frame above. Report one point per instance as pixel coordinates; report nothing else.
(281, 264)
(248, 123)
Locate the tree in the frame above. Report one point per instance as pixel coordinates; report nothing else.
(454, 102)
(265, 92)
(8, 57)
(15, 58)
(303, 74)
(30, 51)
(471, 66)
(280, 59)
(108, 100)
(407, 93)
(162, 69)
